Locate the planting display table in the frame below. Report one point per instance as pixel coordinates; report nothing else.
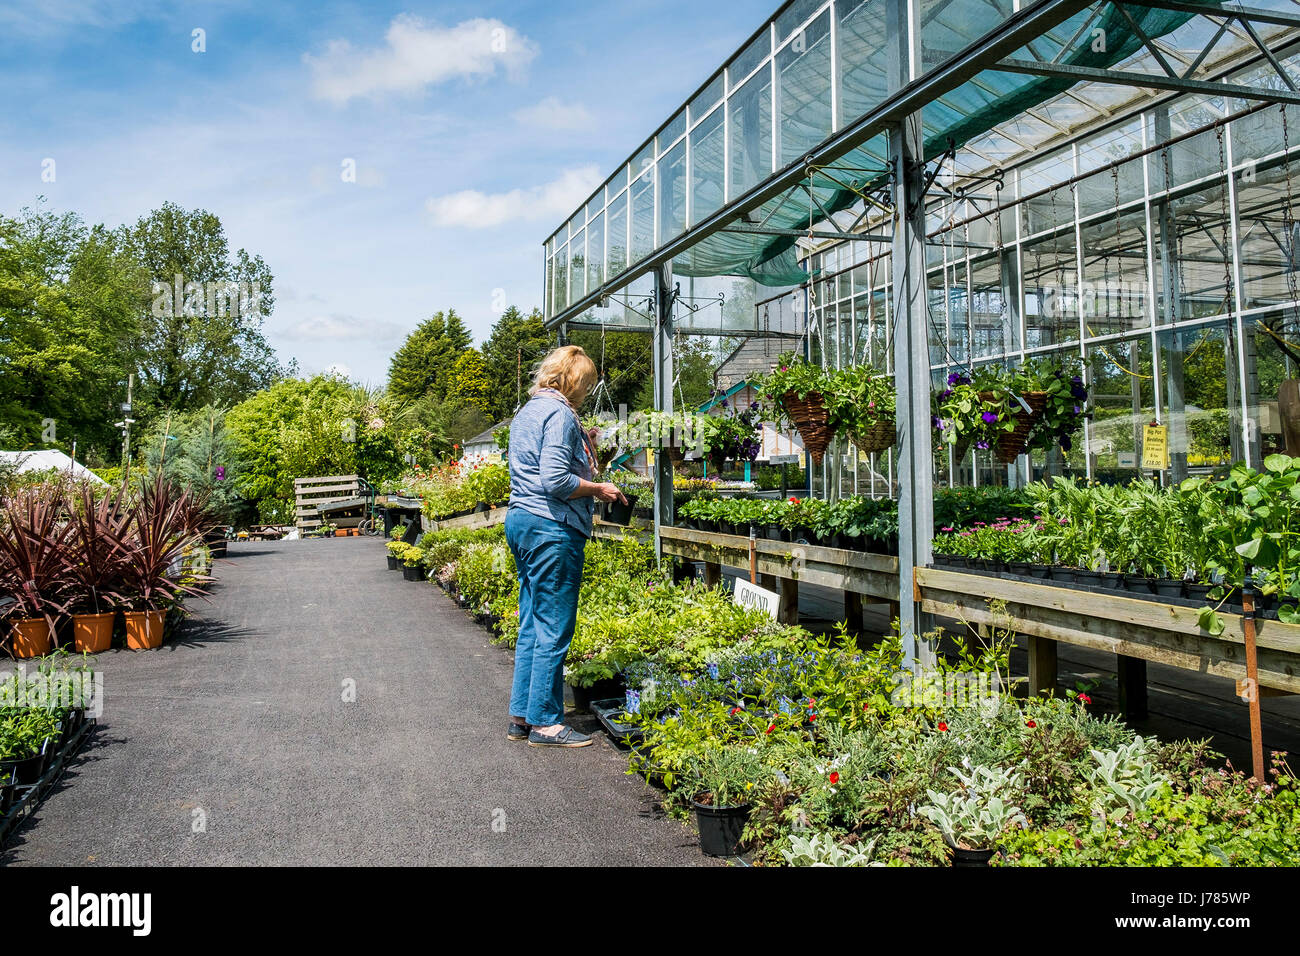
(480, 519)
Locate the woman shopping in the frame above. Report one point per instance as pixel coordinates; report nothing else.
(552, 494)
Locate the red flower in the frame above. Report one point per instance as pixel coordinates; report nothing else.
(812, 717)
(735, 711)
(943, 728)
(1030, 724)
(834, 777)
(770, 728)
(1085, 699)
(866, 707)
(794, 500)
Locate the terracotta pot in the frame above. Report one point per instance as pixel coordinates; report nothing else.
(92, 633)
(30, 637)
(340, 532)
(144, 629)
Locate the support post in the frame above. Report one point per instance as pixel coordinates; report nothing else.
(1132, 674)
(712, 574)
(912, 379)
(853, 611)
(789, 601)
(663, 395)
(1042, 666)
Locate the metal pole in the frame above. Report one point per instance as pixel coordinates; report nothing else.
(126, 447)
(912, 379)
(663, 395)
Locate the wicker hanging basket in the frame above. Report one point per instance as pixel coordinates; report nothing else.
(811, 421)
(717, 461)
(876, 437)
(1010, 445)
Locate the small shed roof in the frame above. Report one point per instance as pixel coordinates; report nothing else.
(47, 459)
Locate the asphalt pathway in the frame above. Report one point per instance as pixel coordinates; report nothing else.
(233, 743)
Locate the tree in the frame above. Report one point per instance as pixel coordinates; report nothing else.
(70, 301)
(696, 363)
(202, 341)
(517, 343)
(470, 384)
(423, 363)
(198, 450)
(626, 359)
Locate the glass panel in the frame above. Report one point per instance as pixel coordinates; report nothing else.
(1114, 296)
(549, 308)
(1191, 247)
(794, 15)
(1111, 188)
(707, 98)
(864, 58)
(991, 317)
(1268, 271)
(672, 193)
(618, 260)
(596, 252)
(708, 170)
(643, 217)
(1198, 372)
(561, 292)
(578, 266)
(749, 58)
(804, 90)
(1120, 387)
(644, 160)
(675, 128)
(751, 134)
(1051, 281)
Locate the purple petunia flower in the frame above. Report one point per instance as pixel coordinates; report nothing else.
(982, 444)
(989, 417)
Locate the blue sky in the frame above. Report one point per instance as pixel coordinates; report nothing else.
(475, 129)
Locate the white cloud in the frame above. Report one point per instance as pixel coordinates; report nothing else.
(551, 113)
(472, 209)
(416, 55)
(339, 369)
(339, 327)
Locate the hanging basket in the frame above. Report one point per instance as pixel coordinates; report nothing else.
(811, 421)
(876, 437)
(673, 453)
(1010, 445)
(717, 461)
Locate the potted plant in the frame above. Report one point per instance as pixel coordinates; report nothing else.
(962, 415)
(723, 779)
(162, 524)
(861, 407)
(25, 738)
(797, 387)
(395, 549)
(412, 559)
(97, 553)
(972, 818)
(732, 435)
(34, 567)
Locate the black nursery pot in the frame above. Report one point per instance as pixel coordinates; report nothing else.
(1169, 587)
(1139, 584)
(618, 513)
(773, 532)
(412, 573)
(720, 828)
(607, 689)
(1043, 571)
(25, 772)
(972, 857)
(1087, 577)
(394, 564)
(1020, 568)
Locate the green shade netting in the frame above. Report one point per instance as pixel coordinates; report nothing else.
(970, 110)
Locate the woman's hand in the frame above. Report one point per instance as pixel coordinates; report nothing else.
(608, 491)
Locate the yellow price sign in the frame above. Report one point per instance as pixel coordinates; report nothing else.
(1155, 447)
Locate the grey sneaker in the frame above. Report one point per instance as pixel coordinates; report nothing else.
(566, 737)
(518, 731)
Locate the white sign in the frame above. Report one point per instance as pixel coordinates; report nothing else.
(753, 597)
(783, 460)
(1128, 459)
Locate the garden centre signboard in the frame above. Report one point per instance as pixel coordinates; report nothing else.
(753, 597)
(1155, 448)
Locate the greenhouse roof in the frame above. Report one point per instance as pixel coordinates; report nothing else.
(791, 134)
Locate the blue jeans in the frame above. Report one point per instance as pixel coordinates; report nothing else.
(548, 555)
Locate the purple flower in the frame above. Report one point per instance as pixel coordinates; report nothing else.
(954, 378)
(724, 404)
(982, 444)
(989, 417)
(1076, 409)
(944, 394)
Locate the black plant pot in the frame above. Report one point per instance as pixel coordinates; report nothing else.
(412, 573)
(25, 772)
(772, 532)
(618, 513)
(972, 857)
(1140, 584)
(720, 828)
(1043, 571)
(1112, 579)
(1086, 577)
(952, 561)
(609, 688)
(1020, 568)
(394, 564)
(1199, 592)
(1169, 587)
(642, 513)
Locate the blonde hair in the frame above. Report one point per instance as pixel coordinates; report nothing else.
(568, 370)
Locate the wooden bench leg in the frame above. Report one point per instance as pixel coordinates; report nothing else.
(853, 611)
(768, 581)
(789, 601)
(1132, 672)
(712, 574)
(1042, 666)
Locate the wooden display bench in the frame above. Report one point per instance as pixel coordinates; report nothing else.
(480, 519)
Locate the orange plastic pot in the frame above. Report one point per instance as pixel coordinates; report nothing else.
(92, 633)
(31, 637)
(144, 629)
(341, 533)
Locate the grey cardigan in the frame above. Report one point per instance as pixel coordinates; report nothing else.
(548, 460)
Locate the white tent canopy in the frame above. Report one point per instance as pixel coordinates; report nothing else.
(49, 459)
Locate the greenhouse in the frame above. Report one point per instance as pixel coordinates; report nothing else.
(1104, 181)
